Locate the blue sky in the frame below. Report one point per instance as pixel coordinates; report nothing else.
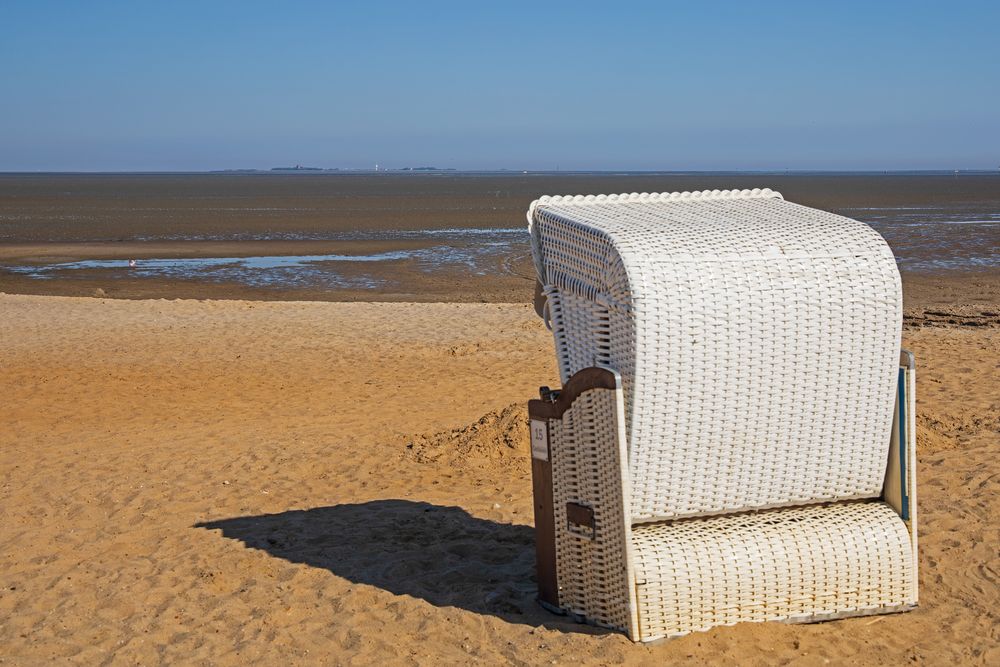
(534, 85)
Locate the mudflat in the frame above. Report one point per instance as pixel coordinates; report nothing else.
(401, 237)
(111, 207)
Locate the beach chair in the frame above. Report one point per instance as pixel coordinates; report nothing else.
(734, 437)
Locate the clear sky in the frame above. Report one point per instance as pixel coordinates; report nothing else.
(535, 85)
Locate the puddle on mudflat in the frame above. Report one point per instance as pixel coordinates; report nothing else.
(281, 271)
(937, 238)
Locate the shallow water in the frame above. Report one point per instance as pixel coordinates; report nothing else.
(936, 238)
(288, 271)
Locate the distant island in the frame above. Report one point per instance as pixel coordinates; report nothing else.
(299, 167)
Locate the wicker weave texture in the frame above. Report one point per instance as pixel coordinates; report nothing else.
(757, 342)
(592, 569)
(787, 564)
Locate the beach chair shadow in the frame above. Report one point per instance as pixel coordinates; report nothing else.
(438, 553)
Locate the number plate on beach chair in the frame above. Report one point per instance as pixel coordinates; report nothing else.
(580, 520)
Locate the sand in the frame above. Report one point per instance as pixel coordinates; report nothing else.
(227, 482)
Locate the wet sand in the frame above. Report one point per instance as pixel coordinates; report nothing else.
(511, 279)
(505, 278)
(226, 482)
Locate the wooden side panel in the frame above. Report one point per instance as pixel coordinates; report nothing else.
(539, 413)
(545, 528)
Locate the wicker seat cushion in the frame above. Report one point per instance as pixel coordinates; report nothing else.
(695, 574)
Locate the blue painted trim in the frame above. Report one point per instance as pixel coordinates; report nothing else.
(903, 445)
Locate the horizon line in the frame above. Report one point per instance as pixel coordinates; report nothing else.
(285, 171)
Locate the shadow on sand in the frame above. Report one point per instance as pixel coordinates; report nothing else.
(440, 554)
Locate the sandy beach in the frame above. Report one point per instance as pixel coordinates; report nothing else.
(221, 482)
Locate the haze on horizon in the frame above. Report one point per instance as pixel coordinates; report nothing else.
(120, 86)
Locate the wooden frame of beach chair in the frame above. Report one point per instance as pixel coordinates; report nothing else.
(675, 491)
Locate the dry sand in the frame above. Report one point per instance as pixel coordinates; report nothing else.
(226, 482)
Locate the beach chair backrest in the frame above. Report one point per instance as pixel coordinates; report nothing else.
(757, 342)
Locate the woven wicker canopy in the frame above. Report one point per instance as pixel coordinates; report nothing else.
(757, 341)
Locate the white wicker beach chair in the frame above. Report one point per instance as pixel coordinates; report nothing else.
(734, 439)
